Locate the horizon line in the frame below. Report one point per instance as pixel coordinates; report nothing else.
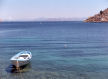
(41, 21)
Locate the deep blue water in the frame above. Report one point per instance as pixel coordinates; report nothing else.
(61, 50)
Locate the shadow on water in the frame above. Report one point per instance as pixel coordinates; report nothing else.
(12, 69)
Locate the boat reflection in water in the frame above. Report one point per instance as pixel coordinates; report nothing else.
(12, 69)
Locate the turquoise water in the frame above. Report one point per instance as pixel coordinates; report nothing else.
(61, 50)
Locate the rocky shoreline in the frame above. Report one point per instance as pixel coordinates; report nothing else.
(102, 16)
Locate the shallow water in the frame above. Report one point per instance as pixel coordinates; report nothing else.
(61, 50)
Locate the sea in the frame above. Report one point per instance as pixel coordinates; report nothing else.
(60, 50)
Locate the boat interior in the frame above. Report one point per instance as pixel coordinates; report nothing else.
(22, 57)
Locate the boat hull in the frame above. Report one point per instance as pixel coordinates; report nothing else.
(19, 63)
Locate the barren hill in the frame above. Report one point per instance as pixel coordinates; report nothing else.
(100, 17)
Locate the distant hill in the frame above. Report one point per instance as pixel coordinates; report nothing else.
(102, 16)
(0, 20)
(59, 19)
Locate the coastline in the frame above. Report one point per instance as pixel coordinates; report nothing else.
(102, 16)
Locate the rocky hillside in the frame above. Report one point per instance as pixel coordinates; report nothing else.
(100, 17)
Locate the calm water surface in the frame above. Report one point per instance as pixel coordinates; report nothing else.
(61, 50)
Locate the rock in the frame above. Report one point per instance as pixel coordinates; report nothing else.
(100, 17)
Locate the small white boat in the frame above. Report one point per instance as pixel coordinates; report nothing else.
(21, 59)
